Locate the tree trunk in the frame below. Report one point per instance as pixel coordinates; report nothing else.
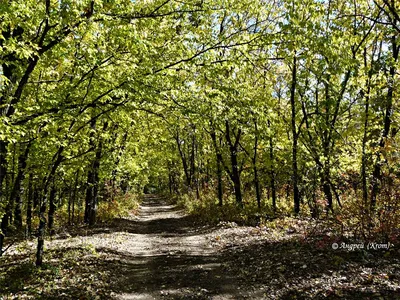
(70, 205)
(377, 173)
(365, 134)
(75, 191)
(184, 161)
(117, 161)
(192, 169)
(255, 170)
(3, 173)
(235, 173)
(41, 231)
(92, 193)
(296, 196)
(16, 193)
(43, 207)
(169, 179)
(3, 164)
(52, 208)
(29, 206)
(272, 171)
(92, 190)
(219, 181)
(7, 217)
(328, 195)
(219, 161)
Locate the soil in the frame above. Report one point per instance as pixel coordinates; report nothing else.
(167, 256)
(162, 253)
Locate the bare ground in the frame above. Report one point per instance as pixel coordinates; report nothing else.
(163, 254)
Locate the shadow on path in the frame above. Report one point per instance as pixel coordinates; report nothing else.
(156, 217)
(162, 254)
(180, 264)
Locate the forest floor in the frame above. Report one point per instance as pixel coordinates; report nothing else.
(163, 254)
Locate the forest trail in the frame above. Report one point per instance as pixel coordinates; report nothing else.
(167, 257)
(173, 259)
(161, 253)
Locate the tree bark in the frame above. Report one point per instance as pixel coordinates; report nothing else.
(296, 196)
(218, 157)
(17, 190)
(255, 170)
(92, 191)
(43, 207)
(52, 208)
(184, 161)
(29, 206)
(364, 158)
(235, 173)
(377, 173)
(272, 171)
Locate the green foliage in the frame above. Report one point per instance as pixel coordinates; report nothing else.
(207, 210)
(121, 206)
(183, 96)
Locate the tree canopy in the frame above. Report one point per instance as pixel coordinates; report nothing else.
(290, 105)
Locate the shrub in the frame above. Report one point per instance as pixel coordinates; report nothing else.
(120, 206)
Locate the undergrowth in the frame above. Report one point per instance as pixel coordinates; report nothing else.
(207, 210)
(119, 206)
(351, 221)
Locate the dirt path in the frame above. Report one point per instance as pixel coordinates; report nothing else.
(166, 257)
(172, 259)
(161, 254)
